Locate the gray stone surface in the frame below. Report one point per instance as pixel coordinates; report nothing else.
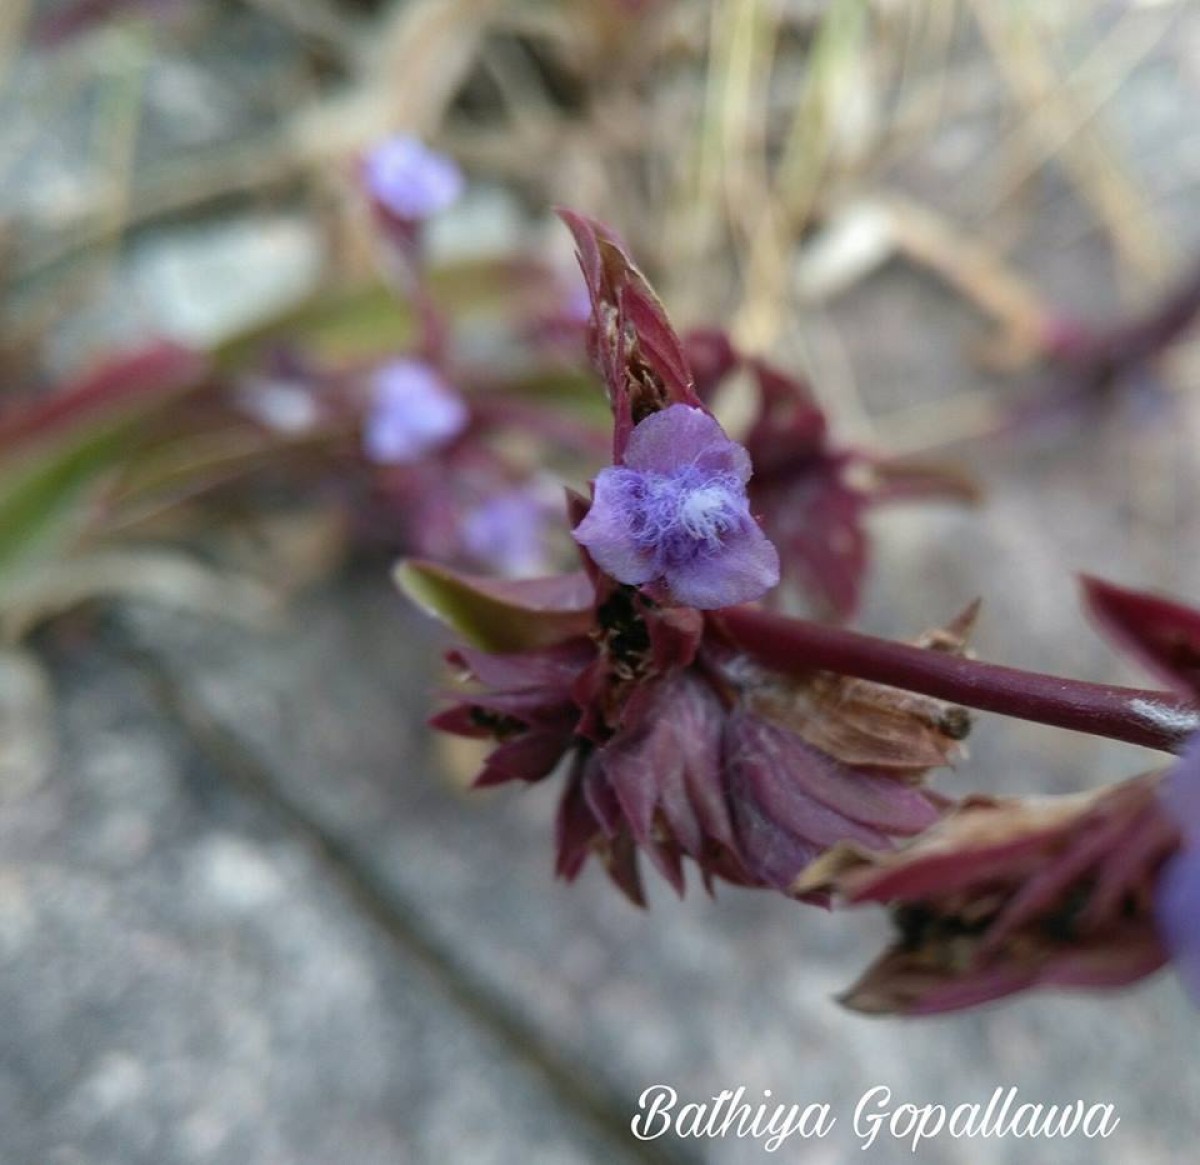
(182, 981)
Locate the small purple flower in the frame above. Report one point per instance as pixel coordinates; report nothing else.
(676, 514)
(409, 181)
(508, 533)
(1177, 900)
(412, 412)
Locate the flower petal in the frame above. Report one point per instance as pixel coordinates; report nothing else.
(1177, 909)
(680, 436)
(409, 179)
(1181, 791)
(413, 412)
(607, 530)
(744, 568)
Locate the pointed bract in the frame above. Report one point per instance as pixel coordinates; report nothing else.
(678, 749)
(1162, 633)
(1003, 895)
(630, 340)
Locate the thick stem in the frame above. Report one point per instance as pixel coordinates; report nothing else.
(1150, 718)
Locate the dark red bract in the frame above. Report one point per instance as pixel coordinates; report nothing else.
(674, 745)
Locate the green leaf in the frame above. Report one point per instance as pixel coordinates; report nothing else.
(55, 451)
(371, 319)
(500, 615)
(42, 502)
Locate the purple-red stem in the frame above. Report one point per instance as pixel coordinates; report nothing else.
(1100, 355)
(1154, 719)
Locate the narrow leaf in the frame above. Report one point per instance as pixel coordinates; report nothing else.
(500, 615)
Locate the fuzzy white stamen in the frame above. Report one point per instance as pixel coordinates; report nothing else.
(704, 512)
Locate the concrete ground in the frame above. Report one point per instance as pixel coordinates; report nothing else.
(246, 920)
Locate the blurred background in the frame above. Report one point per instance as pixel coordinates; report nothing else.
(248, 911)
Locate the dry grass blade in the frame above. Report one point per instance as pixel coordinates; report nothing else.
(834, 68)
(426, 51)
(1131, 40)
(975, 271)
(1061, 130)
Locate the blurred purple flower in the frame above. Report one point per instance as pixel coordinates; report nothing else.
(1177, 899)
(409, 181)
(507, 532)
(1177, 906)
(676, 514)
(413, 412)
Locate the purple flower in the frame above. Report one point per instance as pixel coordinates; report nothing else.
(1177, 899)
(413, 412)
(676, 514)
(410, 181)
(507, 532)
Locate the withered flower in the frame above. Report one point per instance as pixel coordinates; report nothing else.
(1094, 890)
(1002, 895)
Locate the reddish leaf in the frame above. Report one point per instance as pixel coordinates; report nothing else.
(501, 615)
(1164, 635)
(120, 384)
(711, 357)
(1003, 895)
(630, 340)
(816, 521)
